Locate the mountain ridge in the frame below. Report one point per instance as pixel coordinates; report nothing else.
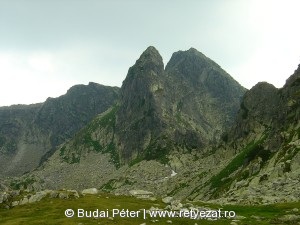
(188, 131)
(150, 121)
(41, 127)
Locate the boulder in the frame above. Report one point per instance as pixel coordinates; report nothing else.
(73, 193)
(63, 195)
(141, 194)
(90, 191)
(176, 205)
(24, 201)
(290, 218)
(167, 200)
(14, 203)
(53, 194)
(38, 196)
(1, 198)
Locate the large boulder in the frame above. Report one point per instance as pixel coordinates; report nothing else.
(167, 199)
(141, 194)
(91, 191)
(38, 196)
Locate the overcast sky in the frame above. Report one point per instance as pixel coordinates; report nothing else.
(47, 46)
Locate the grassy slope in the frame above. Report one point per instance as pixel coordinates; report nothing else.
(51, 211)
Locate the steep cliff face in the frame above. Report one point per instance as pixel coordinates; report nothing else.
(162, 111)
(203, 91)
(62, 117)
(258, 158)
(139, 119)
(30, 134)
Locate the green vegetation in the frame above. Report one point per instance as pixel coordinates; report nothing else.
(24, 183)
(222, 181)
(114, 155)
(51, 211)
(112, 184)
(263, 214)
(84, 140)
(287, 153)
(178, 188)
(109, 186)
(158, 150)
(245, 111)
(62, 151)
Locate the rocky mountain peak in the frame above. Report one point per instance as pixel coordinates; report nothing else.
(30, 134)
(260, 101)
(149, 63)
(294, 80)
(151, 52)
(190, 61)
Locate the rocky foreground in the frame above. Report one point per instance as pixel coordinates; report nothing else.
(190, 211)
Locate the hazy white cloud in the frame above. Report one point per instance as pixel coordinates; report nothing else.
(277, 53)
(48, 46)
(42, 63)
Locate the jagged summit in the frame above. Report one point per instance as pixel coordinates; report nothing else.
(294, 79)
(149, 63)
(183, 60)
(195, 52)
(151, 51)
(193, 66)
(30, 134)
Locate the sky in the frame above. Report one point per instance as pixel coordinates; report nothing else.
(47, 46)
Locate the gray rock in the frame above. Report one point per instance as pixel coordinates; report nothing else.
(47, 125)
(24, 201)
(15, 203)
(38, 196)
(1, 198)
(237, 217)
(167, 200)
(141, 194)
(15, 193)
(91, 191)
(63, 195)
(73, 193)
(53, 194)
(176, 205)
(290, 217)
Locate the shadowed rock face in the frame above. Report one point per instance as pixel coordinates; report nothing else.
(261, 150)
(160, 111)
(183, 107)
(266, 106)
(30, 133)
(259, 106)
(212, 94)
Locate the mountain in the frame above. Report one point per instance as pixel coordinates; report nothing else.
(187, 130)
(29, 134)
(162, 111)
(261, 150)
(162, 114)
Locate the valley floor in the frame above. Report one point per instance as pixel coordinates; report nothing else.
(52, 211)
